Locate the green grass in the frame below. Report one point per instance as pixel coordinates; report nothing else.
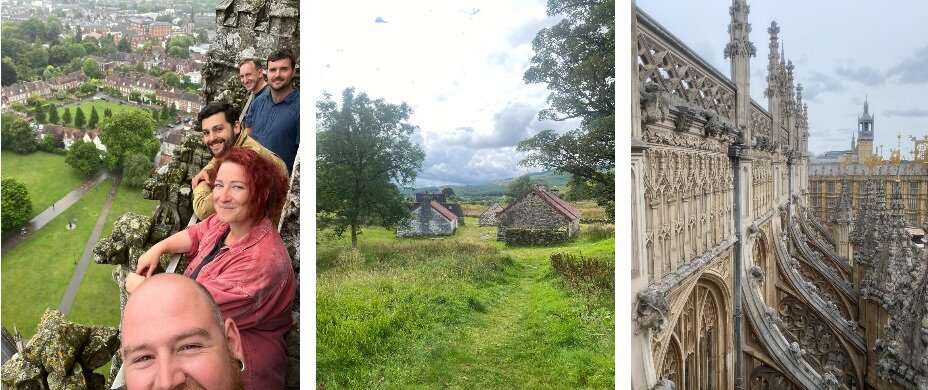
(36, 273)
(46, 175)
(460, 312)
(100, 105)
(97, 300)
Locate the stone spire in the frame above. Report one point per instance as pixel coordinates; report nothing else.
(739, 49)
(844, 212)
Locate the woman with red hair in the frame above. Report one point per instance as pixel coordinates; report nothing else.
(238, 255)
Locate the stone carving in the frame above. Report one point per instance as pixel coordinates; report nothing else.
(765, 377)
(685, 117)
(664, 384)
(829, 382)
(63, 355)
(655, 105)
(651, 312)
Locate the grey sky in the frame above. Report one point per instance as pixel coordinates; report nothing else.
(844, 51)
(459, 65)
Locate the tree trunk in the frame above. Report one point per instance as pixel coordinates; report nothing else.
(354, 237)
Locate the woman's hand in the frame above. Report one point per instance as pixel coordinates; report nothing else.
(148, 261)
(133, 281)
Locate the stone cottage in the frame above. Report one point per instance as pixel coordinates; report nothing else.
(454, 208)
(429, 218)
(488, 217)
(538, 217)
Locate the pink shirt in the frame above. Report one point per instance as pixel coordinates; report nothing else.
(253, 283)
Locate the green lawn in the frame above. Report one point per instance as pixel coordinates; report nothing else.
(461, 312)
(36, 272)
(97, 300)
(46, 175)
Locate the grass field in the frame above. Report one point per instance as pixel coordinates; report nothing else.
(46, 175)
(36, 272)
(460, 312)
(589, 210)
(97, 300)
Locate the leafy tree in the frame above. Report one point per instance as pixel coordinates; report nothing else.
(138, 169)
(165, 112)
(16, 205)
(92, 69)
(178, 52)
(75, 51)
(66, 117)
(202, 36)
(363, 154)
(85, 157)
(24, 72)
(107, 112)
(124, 45)
(37, 57)
(94, 118)
(449, 193)
(126, 133)
(576, 59)
(7, 74)
(518, 187)
(108, 44)
(47, 144)
(19, 137)
(170, 78)
(91, 45)
(173, 110)
(135, 96)
(53, 114)
(79, 119)
(164, 18)
(38, 113)
(78, 34)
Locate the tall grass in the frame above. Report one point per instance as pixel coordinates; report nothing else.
(374, 301)
(588, 275)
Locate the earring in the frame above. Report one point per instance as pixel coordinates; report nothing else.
(243, 365)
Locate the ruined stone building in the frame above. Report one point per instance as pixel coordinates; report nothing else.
(849, 171)
(736, 282)
(430, 218)
(538, 217)
(488, 216)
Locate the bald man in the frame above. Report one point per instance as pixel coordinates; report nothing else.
(174, 337)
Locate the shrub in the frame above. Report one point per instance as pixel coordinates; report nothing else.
(589, 275)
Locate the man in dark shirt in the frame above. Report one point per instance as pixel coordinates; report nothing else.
(274, 117)
(252, 78)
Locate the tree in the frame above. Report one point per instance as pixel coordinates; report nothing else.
(449, 193)
(37, 57)
(576, 59)
(66, 117)
(202, 37)
(19, 138)
(170, 78)
(108, 44)
(16, 205)
(518, 187)
(47, 144)
(94, 118)
(178, 52)
(124, 45)
(53, 114)
(165, 112)
(38, 113)
(107, 112)
(138, 169)
(363, 155)
(7, 74)
(92, 69)
(85, 157)
(91, 45)
(79, 119)
(126, 133)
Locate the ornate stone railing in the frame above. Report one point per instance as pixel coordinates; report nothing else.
(665, 63)
(816, 262)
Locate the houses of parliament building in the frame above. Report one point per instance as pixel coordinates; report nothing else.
(753, 266)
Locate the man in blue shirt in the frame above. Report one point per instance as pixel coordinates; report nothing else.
(274, 117)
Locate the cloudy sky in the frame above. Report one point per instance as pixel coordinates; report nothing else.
(459, 65)
(844, 52)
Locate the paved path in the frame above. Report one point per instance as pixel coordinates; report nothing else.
(13, 239)
(65, 306)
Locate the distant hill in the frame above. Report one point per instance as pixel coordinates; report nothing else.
(496, 188)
